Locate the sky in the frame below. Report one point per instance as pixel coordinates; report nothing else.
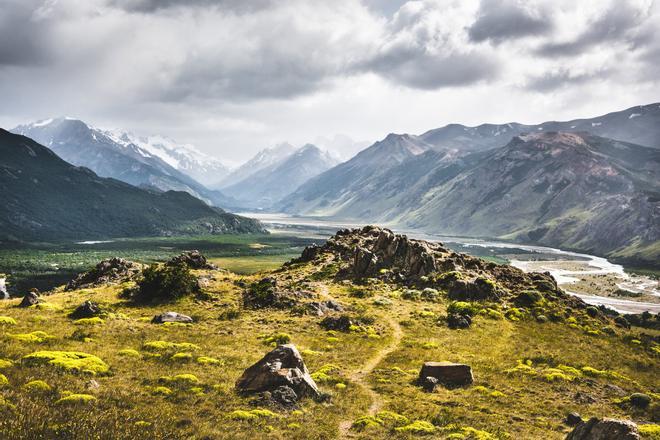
(235, 76)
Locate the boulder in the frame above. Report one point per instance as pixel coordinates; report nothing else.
(604, 429)
(193, 259)
(309, 253)
(283, 366)
(365, 263)
(29, 299)
(572, 419)
(429, 383)
(456, 321)
(320, 308)
(447, 373)
(88, 309)
(339, 323)
(478, 290)
(171, 317)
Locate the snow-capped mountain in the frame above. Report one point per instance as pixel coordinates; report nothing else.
(186, 158)
(263, 159)
(140, 162)
(270, 183)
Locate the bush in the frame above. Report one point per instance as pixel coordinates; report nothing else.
(38, 386)
(76, 399)
(463, 308)
(69, 361)
(166, 283)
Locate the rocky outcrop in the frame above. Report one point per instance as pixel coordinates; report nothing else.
(283, 366)
(171, 317)
(478, 290)
(446, 373)
(321, 308)
(193, 259)
(604, 429)
(88, 309)
(112, 270)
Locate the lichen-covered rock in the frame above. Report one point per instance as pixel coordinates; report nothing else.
(193, 259)
(604, 429)
(339, 323)
(283, 366)
(456, 321)
(171, 317)
(447, 373)
(112, 270)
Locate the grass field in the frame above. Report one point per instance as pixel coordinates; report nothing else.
(46, 265)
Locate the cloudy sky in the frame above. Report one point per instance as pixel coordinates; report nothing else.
(234, 76)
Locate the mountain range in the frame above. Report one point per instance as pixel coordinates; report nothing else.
(155, 162)
(46, 198)
(569, 188)
(275, 173)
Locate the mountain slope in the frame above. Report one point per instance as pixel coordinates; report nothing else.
(46, 198)
(111, 155)
(638, 125)
(268, 185)
(262, 160)
(572, 190)
(329, 192)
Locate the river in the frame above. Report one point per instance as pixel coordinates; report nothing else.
(578, 274)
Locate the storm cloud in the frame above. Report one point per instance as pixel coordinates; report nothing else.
(234, 76)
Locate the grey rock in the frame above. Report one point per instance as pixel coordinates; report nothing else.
(88, 309)
(111, 270)
(193, 259)
(283, 366)
(456, 321)
(340, 323)
(171, 317)
(429, 383)
(29, 299)
(572, 419)
(604, 429)
(320, 308)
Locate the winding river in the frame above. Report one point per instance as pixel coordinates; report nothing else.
(567, 267)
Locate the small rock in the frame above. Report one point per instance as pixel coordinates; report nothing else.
(88, 309)
(281, 366)
(572, 419)
(604, 429)
(456, 321)
(171, 317)
(429, 383)
(29, 299)
(285, 397)
(323, 307)
(585, 398)
(447, 373)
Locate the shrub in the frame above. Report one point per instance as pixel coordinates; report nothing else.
(38, 386)
(463, 308)
(3, 380)
(166, 283)
(651, 432)
(254, 414)
(161, 391)
(76, 399)
(5, 363)
(184, 357)
(69, 361)
(411, 295)
(323, 374)
(639, 400)
(431, 295)
(528, 298)
(36, 337)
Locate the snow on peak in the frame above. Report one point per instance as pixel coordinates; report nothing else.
(43, 122)
(634, 115)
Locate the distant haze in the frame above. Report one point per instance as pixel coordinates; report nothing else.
(233, 77)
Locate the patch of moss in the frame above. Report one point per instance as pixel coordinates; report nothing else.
(5, 363)
(324, 374)
(76, 399)
(7, 320)
(68, 361)
(593, 372)
(3, 380)
(161, 391)
(417, 427)
(89, 321)
(184, 379)
(254, 414)
(36, 337)
(311, 353)
(205, 360)
(387, 419)
(277, 339)
(182, 357)
(463, 308)
(38, 386)
(128, 352)
(651, 432)
(170, 346)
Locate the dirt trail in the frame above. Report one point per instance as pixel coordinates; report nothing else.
(359, 377)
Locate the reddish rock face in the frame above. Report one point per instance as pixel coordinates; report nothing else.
(447, 373)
